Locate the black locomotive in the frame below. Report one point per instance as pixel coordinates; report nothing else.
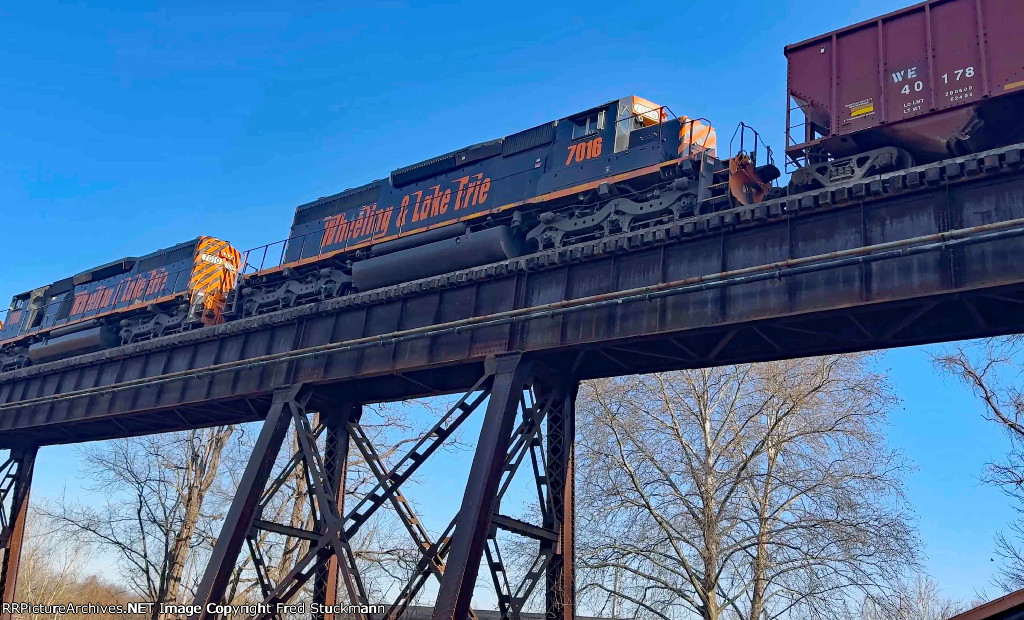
(622, 166)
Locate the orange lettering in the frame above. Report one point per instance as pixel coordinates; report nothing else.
(416, 216)
(582, 151)
(133, 290)
(334, 230)
(97, 298)
(476, 189)
(463, 181)
(78, 306)
(435, 201)
(383, 221)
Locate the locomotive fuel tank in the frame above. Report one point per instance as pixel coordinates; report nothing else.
(457, 252)
(73, 340)
(405, 243)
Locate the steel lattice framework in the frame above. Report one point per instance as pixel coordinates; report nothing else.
(527, 413)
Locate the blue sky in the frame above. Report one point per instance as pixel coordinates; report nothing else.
(128, 128)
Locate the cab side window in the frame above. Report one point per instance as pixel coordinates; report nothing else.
(588, 124)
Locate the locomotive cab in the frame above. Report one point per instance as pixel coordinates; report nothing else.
(19, 305)
(635, 114)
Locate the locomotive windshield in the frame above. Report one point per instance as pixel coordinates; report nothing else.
(635, 113)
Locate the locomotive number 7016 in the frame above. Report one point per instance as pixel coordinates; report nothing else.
(584, 150)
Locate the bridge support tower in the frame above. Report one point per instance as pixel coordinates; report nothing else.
(528, 417)
(15, 481)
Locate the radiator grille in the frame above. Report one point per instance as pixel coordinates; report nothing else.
(531, 138)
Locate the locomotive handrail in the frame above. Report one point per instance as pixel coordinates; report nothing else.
(666, 114)
(741, 130)
(249, 267)
(692, 122)
(663, 113)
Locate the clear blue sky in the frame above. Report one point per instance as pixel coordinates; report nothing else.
(128, 128)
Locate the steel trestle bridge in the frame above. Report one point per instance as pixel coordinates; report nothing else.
(924, 255)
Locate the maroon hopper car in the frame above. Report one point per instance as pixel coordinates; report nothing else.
(940, 78)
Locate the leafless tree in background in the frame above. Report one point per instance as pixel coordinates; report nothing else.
(51, 566)
(992, 370)
(52, 571)
(753, 491)
(166, 496)
(920, 599)
(154, 488)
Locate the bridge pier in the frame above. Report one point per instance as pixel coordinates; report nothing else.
(336, 452)
(560, 596)
(480, 500)
(528, 417)
(540, 396)
(244, 507)
(15, 483)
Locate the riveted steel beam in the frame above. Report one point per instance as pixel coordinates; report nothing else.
(511, 376)
(242, 512)
(720, 287)
(15, 485)
(336, 452)
(560, 594)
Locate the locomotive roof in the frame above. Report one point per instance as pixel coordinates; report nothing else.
(465, 155)
(92, 273)
(352, 191)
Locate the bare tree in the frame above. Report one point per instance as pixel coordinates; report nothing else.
(53, 572)
(51, 565)
(920, 599)
(154, 488)
(992, 370)
(754, 491)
